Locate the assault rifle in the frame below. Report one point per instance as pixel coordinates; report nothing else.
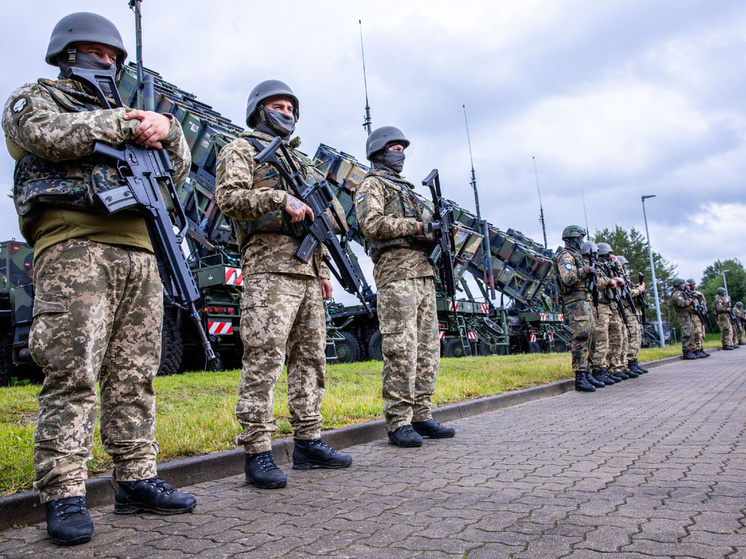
(615, 291)
(643, 303)
(626, 295)
(143, 172)
(442, 226)
(699, 307)
(319, 198)
(594, 282)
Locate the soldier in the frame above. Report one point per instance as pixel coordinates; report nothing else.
(282, 309)
(574, 279)
(634, 335)
(722, 312)
(686, 314)
(393, 221)
(698, 336)
(741, 320)
(98, 305)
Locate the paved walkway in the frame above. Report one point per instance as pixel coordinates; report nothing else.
(653, 467)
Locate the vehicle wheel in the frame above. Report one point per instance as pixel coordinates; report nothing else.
(374, 346)
(5, 363)
(172, 348)
(348, 351)
(560, 346)
(454, 348)
(534, 347)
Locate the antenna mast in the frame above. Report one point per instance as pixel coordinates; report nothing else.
(489, 276)
(587, 231)
(366, 123)
(541, 207)
(145, 87)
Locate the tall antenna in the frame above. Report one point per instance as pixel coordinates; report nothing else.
(145, 87)
(489, 275)
(541, 207)
(587, 231)
(366, 123)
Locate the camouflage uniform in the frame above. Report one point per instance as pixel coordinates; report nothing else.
(282, 311)
(407, 312)
(607, 326)
(686, 314)
(722, 311)
(741, 320)
(574, 287)
(98, 296)
(634, 336)
(699, 332)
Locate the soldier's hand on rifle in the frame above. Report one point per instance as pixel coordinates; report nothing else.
(153, 128)
(296, 209)
(620, 280)
(588, 269)
(420, 229)
(642, 286)
(326, 289)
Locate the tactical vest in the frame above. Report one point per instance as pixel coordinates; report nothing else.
(579, 291)
(73, 184)
(400, 201)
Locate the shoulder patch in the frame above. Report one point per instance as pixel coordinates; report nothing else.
(568, 266)
(19, 104)
(360, 198)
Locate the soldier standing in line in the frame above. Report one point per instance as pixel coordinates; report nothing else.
(393, 221)
(698, 336)
(686, 314)
(722, 312)
(609, 326)
(282, 309)
(574, 278)
(98, 303)
(634, 335)
(589, 252)
(741, 319)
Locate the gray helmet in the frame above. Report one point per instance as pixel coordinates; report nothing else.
(678, 283)
(573, 232)
(383, 136)
(739, 304)
(622, 260)
(589, 247)
(84, 27)
(604, 249)
(721, 291)
(265, 90)
(691, 282)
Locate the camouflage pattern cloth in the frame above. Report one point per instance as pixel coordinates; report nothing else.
(633, 337)
(573, 285)
(282, 311)
(407, 313)
(601, 357)
(97, 316)
(685, 312)
(698, 325)
(741, 320)
(722, 310)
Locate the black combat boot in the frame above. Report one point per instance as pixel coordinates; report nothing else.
(689, 355)
(639, 368)
(582, 384)
(631, 374)
(316, 454)
(728, 347)
(433, 429)
(621, 374)
(68, 521)
(262, 471)
(151, 495)
(701, 353)
(616, 377)
(405, 436)
(594, 381)
(736, 346)
(603, 376)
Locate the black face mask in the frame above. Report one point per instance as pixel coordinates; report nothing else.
(87, 62)
(276, 123)
(574, 242)
(394, 160)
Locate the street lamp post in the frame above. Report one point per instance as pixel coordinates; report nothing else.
(652, 272)
(725, 283)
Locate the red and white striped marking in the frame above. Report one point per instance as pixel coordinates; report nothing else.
(485, 308)
(451, 305)
(220, 328)
(562, 317)
(532, 338)
(442, 335)
(233, 276)
(542, 317)
(472, 335)
(551, 336)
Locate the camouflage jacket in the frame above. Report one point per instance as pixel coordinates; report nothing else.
(573, 282)
(50, 129)
(682, 302)
(604, 277)
(254, 197)
(387, 212)
(722, 304)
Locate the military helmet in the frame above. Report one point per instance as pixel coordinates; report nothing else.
(383, 136)
(589, 247)
(84, 27)
(265, 90)
(622, 260)
(604, 249)
(678, 282)
(739, 304)
(691, 282)
(721, 291)
(573, 232)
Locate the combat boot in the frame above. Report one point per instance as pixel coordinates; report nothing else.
(405, 436)
(727, 347)
(594, 381)
(316, 453)
(603, 376)
(68, 521)
(582, 384)
(262, 471)
(701, 353)
(616, 377)
(689, 355)
(621, 374)
(631, 374)
(433, 429)
(151, 495)
(639, 368)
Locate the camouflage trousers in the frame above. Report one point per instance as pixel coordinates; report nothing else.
(281, 315)
(726, 329)
(97, 315)
(687, 324)
(633, 337)
(737, 331)
(608, 352)
(583, 339)
(410, 344)
(698, 333)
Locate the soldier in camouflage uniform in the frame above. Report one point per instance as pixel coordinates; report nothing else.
(393, 221)
(722, 312)
(98, 296)
(741, 319)
(633, 337)
(698, 336)
(685, 312)
(282, 309)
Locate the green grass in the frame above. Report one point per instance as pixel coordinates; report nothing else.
(195, 410)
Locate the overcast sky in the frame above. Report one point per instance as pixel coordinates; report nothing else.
(614, 99)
